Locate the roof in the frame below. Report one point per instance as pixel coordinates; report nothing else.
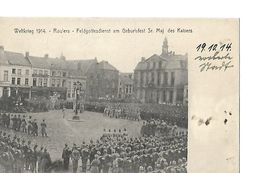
(83, 65)
(173, 61)
(156, 57)
(38, 62)
(57, 63)
(106, 66)
(14, 58)
(124, 78)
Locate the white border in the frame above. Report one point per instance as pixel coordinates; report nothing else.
(247, 11)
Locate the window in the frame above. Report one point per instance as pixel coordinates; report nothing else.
(69, 95)
(53, 82)
(158, 78)
(63, 83)
(58, 82)
(34, 71)
(164, 96)
(171, 96)
(160, 64)
(13, 71)
(142, 78)
(130, 89)
(69, 84)
(154, 64)
(26, 81)
(152, 77)
(172, 78)
(64, 74)
(40, 72)
(5, 75)
(34, 81)
(179, 95)
(165, 80)
(53, 73)
(40, 82)
(19, 71)
(27, 72)
(13, 80)
(18, 81)
(45, 82)
(46, 72)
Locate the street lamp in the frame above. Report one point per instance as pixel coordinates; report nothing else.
(77, 88)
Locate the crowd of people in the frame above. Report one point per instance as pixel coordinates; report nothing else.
(159, 128)
(116, 153)
(169, 113)
(18, 155)
(123, 111)
(160, 149)
(135, 111)
(23, 123)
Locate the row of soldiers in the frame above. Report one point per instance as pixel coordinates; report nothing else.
(127, 155)
(17, 155)
(22, 124)
(159, 128)
(124, 112)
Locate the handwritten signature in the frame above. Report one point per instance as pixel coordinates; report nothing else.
(209, 66)
(216, 62)
(214, 57)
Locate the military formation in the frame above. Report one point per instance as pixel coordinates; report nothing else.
(18, 155)
(122, 111)
(177, 114)
(24, 124)
(118, 153)
(161, 148)
(159, 127)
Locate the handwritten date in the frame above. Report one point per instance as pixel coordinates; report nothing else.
(214, 47)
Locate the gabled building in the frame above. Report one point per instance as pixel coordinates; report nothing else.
(161, 78)
(15, 74)
(81, 71)
(40, 75)
(33, 76)
(125, 86)
(107, 77)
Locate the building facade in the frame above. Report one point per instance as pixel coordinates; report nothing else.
(125, 86)
(107, 77)
(161, 78)
(15, 74)
(31, 76)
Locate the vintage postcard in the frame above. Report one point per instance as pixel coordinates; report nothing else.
(119, 95)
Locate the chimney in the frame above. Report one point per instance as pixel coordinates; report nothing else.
(46, 55)
(27, 54)
(143, 59)
(2, 49)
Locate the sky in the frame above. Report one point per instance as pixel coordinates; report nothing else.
(122, 50)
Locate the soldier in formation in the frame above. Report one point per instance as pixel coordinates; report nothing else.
(21, 124)
(18, 155)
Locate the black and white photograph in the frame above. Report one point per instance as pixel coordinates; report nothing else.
(115, 95)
